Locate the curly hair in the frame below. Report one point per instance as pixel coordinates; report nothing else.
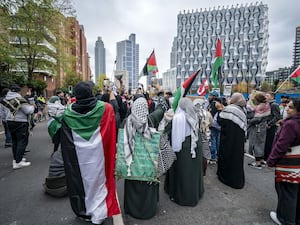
(260, 98)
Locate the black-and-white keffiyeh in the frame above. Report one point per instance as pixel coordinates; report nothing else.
(191, 115)
(137, 121)
(235, 114)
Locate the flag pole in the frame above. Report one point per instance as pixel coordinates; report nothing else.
(282, 84)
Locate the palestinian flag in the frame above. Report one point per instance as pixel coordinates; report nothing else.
(150, 66)
(88, 144)
(203, 87)
(183, 90)
(295, 76)
(218, 62)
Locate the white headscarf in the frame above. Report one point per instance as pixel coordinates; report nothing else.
(185, 123)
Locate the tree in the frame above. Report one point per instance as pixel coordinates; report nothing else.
(265, 86)
(33, 37)
(100, 81)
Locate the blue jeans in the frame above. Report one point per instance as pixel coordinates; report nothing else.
(215, 142)
(7, 132)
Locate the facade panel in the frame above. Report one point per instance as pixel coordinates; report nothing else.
(243, 31)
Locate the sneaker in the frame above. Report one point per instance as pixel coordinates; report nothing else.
(7, 145)
(21, 164)
(14, 162)
(263, 163)
(212, 162)
(252, 163)
(273, 216)
(255, 165)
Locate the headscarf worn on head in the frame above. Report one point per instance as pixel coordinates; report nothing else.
(55, 108)
(238, 99)
(190, 113)
(235, 112)
(137, 121)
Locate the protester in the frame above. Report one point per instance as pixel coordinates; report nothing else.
(286, 160)
(233, 123)
(8, 141)
(184, 180)
(88, 144)
(140, 197)
(272, 123)
(284, 100)
(257, 129)
(205, 121)
(18, 124)
(55, 183)
(61, 96)
(215, 127)
(55, 111)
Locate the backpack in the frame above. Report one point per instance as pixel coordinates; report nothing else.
(14, 104)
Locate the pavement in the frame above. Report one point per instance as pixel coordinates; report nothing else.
(23, 201)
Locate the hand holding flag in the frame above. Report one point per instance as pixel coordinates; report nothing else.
(217, 63)
(183, 90)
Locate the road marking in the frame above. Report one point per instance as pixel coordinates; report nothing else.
(250, 156)
(118, 219)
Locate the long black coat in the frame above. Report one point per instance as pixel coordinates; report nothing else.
(231, 154)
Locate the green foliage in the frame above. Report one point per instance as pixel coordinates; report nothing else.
(37, 85)
(71, 80)
(100, 82)
(32, 37)
(265, 86)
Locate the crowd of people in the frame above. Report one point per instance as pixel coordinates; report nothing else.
(89, 129)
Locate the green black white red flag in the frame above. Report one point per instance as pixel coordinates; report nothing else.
(88, 144)
(218, 62)
(295, 76)
(150, 67)
(183, 90)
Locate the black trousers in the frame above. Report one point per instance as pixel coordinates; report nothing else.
(19, 134)
(269, 141)
(288, 207)
(56, 140)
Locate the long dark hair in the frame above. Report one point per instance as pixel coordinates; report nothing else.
(296, 103)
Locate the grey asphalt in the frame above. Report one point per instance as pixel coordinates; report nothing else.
(23, 201)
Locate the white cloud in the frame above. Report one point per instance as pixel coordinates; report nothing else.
(155, 23)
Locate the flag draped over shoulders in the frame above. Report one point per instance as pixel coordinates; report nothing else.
(89, 148)
(218, 62)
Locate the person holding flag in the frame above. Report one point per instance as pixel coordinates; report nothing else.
(218, 62)
(184, 180)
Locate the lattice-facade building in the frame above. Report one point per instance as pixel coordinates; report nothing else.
(243, 31)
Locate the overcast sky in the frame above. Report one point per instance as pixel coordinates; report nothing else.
(155, 24)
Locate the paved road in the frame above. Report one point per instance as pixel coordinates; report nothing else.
(23, 202)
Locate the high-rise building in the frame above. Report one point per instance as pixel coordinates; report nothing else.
(99, 58)
(296, 55)
(128, 59)
(173, 53)
(243, 31)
